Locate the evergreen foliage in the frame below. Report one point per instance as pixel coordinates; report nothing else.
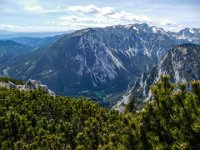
(34, 120)
(130, 107)
(15, 81)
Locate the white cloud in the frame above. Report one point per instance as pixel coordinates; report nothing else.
(9, 27)
(78, 17)
(77, 22)
(33, 8)
(93, 16)
(129, 17)
(39, 9)
(107, 11)
(168, 23)
(84, 9)
(91, 9)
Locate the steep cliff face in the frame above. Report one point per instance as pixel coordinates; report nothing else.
(182, 63)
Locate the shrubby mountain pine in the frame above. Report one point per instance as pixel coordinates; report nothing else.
(35, 120)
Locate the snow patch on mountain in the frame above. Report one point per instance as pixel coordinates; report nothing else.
(5, 71)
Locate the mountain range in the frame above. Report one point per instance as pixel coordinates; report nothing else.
(100, 63)
(181, 63)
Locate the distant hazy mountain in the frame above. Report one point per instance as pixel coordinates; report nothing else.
(188, 34)
(10, 49)
(36, 42)
(10, 34)
(97, 62)
(3, 32)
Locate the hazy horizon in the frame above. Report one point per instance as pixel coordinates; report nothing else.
(62, 15)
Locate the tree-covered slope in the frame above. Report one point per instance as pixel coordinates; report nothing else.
(9, 50)
(34, 120)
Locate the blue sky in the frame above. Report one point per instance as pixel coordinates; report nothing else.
(63, 15)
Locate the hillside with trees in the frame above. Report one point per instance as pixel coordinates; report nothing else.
(35, 120)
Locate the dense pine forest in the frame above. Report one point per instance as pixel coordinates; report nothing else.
(34, 120)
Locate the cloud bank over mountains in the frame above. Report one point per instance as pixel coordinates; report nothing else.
(35, 15)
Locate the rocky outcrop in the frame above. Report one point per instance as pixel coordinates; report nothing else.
(30, 85)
